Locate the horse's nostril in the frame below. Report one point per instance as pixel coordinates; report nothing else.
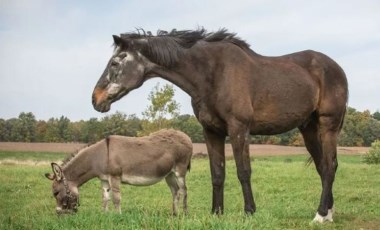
(93, 99)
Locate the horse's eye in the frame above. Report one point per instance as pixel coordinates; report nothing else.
(114, 63)
(123, 55)
(55, 194)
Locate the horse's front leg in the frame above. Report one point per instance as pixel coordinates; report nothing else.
(239, 136)
(215, 149)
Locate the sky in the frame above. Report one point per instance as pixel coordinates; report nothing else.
(53, 52)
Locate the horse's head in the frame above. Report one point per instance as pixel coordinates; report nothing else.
(124, 72)
(67, 198)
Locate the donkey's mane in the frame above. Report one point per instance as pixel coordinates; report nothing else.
(73, 155)
(165, 48)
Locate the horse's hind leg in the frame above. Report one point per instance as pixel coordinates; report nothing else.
(171, 180)
(320, 136)
(329, 130)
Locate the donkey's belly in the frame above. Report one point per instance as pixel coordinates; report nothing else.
(139, 180)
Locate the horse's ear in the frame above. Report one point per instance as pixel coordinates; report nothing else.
(58, 174)
(118, 40)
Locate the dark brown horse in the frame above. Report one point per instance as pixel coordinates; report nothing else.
(237, 92)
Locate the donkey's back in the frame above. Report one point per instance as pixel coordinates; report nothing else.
(153, 156)
(146, 161)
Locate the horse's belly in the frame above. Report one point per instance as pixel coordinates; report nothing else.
(269, 122)
(273, 126)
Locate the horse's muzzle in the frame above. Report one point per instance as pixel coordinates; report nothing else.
(100, 103)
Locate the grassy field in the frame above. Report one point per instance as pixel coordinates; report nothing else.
(286, 192)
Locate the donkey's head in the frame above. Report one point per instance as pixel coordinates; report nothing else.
(124, 72)
(67, 198)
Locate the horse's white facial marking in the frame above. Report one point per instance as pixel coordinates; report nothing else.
(140, 180)
(116, 51)
(113, 88)
(128, 58)
(140, 68)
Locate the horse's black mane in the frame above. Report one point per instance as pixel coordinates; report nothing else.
(166, 47)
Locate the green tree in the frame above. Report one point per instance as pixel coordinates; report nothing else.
(359, 129)
(26, 127)
(133, 124)
(92, 131)
(189, 125)
(64, 129)
(2, 130)
(121, 124)
(76, 128)
(41, 131)
(10, 130)
(373, 155)
(52, 133)
(161, 111)
(22, 128)
(376, 115)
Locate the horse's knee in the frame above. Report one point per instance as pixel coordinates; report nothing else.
(244, 176)
(218, 181)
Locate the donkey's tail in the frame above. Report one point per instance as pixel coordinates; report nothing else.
(189, 166)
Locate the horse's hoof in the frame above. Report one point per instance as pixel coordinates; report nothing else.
(217, 211)
(250, 211)
(322, 219)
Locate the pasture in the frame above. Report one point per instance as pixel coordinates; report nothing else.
(286, 193)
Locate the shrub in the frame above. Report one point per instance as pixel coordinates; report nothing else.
(373, 155)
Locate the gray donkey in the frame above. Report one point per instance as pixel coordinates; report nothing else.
(130, 160)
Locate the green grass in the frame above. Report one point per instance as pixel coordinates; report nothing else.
(34, 156)
(286, 193)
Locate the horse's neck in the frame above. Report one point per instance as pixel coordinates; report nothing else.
(184, 78)
(79, 170)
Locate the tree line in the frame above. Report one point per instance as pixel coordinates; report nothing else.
(360, 128)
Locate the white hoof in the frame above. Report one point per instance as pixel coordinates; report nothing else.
(322, 219)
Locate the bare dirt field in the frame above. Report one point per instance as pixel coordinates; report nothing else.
(199, 149)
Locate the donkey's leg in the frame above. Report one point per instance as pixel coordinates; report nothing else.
(171, 180)
(215, 149)
(239, 135)
(116, 197)
(106, 194)
(183, 191)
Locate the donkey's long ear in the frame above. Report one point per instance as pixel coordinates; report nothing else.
(57, 171)
(50, 176)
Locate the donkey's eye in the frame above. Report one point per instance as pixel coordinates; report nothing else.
(55, 194)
